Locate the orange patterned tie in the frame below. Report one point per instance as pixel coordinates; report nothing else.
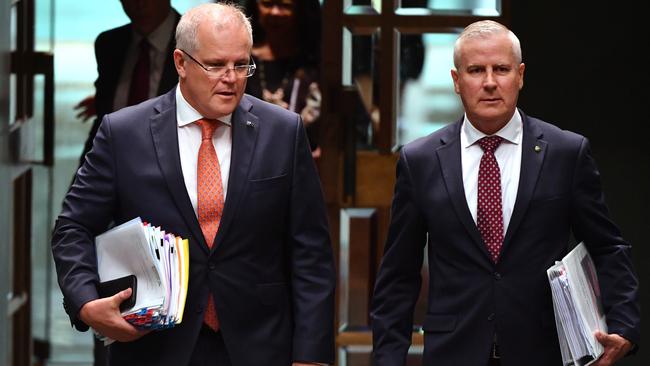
(210, 200)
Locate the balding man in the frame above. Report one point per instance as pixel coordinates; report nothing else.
(235, 176)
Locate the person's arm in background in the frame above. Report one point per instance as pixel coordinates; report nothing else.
(101, 102)
(86, 108)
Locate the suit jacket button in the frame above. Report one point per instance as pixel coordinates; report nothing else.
(199, 310)
(491, 317)
(497, 276)
(212, 266)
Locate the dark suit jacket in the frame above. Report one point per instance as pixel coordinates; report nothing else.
(470, 298)
(271, 268)
(110, 51)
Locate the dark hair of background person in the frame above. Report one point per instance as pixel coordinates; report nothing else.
(308, 17)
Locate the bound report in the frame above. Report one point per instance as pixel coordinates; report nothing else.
(578, 307)
(154, 262)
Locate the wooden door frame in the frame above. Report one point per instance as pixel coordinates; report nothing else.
(20, 62)
(5, 184)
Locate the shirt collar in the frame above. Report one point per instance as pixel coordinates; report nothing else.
(511, 132)
(159, 38)
(186, 114)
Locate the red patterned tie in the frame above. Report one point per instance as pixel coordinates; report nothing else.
(210, 200)
(489, 214)
(139, 87)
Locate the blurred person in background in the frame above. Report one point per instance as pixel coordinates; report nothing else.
(134, 62)
(286, 50)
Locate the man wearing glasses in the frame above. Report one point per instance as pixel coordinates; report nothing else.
(234, 175)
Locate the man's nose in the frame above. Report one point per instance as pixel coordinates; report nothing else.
(490, 81)
(229, 76)
(275, 9)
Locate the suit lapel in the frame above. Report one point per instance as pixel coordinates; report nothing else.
(533, 151)
(245, 128)
(449, 158)
(165, 139)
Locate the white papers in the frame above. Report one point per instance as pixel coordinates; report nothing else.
(158, 259)
(577, 306)
(124, 250)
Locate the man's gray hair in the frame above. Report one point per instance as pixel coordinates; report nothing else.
(483, 29)
(220, 14)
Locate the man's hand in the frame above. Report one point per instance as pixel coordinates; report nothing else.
(104, 316)
(276, 97)
(311, 112)
(86, 108)
(615, 348)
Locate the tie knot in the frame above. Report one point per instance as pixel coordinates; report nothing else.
(208, 126)
(490, 143)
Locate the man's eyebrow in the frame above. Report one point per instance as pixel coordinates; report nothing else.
(224, 61)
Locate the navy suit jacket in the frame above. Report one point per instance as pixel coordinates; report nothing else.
(110, 52)
(470, 299)
(271, 269)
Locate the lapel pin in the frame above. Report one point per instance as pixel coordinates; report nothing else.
(537, 148)
(250, 124)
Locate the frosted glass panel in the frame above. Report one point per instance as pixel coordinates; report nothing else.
(474, 7)
(427, 100)
(360, 69)
(362, 6)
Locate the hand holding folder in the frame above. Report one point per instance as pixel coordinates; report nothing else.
(616, 347)
(578, 307)
(103, 315)
(112, 287)
(152, 262)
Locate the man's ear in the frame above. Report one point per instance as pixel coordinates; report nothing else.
(179, 62)
(454, 77)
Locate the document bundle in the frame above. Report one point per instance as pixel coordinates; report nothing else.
(578, 307)
(160, 263)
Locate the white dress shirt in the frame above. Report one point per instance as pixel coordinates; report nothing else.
(158, 53)
(189, 142)
(508, 156)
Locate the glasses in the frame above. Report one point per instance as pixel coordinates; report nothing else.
(218, 72)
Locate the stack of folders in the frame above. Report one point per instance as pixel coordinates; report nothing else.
(160, 262)
(578, 307)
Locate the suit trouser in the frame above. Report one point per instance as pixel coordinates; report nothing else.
(100, 353)
(494, 362)
(210, 350)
